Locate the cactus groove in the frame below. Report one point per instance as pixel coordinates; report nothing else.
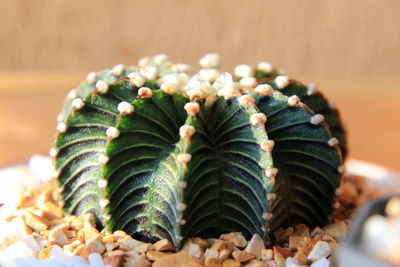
(161, 152)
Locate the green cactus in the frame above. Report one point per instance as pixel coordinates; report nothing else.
(310, 96)
(182, 156)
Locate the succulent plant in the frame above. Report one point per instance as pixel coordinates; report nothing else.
(309, 95)
(166, 154)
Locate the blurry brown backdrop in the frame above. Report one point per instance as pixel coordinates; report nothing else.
(351, 49)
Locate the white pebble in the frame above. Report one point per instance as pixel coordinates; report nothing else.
(96, 260)
(321, 263)
(320, 250)
(290, 262)
(255, 245)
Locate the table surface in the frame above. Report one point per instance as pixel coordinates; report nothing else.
(30, 102)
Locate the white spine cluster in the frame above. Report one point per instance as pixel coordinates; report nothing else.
(282, 81)
(317, 119)
(125, 108)
(72, 94)
(271, 172)
(62, 127)
(149, 72)
(145, 92)
(265, 66)
(136, 78)
(77, 103)
(333, 141)
(192, 108)
(311, 89)
(248, 82)
(117, 70)
(258, 119)
(246, 100)
(267, 145)
(244, 70)
(112, 133)
(210, 61)
(102, 86)
(91, 77)
(293, 100)
(264, 89)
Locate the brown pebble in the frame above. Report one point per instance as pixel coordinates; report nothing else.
(210, 262)
(114, 261)
(242, 255)
(163, 245)
(300, 257)
(176, 259)
(35, 222)
(137, 261)
(155, 255)
(230, 263)
(284, 252)
(236, 238)
(298, 241)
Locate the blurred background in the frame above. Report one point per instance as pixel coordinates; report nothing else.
(350, 49)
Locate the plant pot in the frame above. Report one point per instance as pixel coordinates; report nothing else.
(386, 182)
(351, 253)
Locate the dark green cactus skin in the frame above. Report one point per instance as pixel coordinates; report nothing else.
(304, 186)
(316, 101)
(227, 186)
(223, 187)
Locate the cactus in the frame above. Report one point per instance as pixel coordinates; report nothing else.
(171, 155)
(309, 95)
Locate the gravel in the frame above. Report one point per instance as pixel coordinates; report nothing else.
(18, 249)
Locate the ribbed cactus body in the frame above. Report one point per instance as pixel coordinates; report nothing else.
(315, 100)
(159, 163)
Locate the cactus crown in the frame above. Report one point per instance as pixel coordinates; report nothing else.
(159, 151)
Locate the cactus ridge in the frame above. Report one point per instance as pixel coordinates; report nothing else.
(315, 100)
(174, 155)
(304, 160)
